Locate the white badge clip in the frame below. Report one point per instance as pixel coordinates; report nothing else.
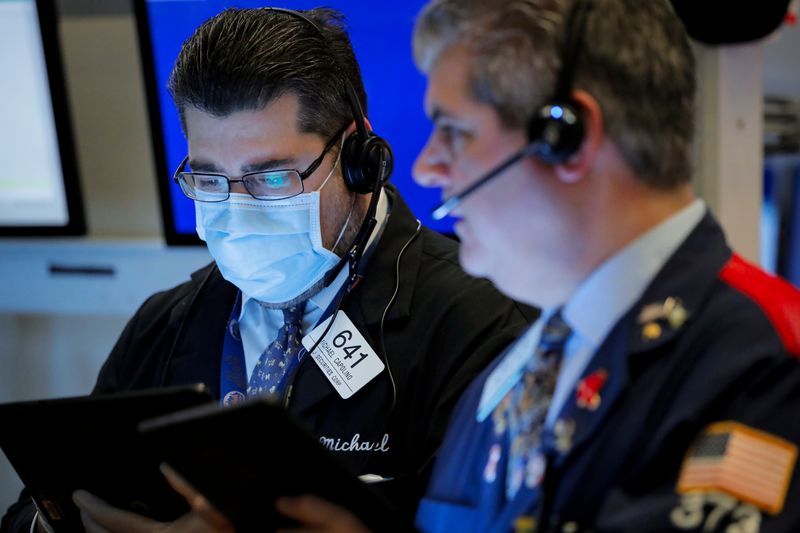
(344, 356)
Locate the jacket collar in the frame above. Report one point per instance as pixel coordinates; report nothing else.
(670, 302)
(378, 285)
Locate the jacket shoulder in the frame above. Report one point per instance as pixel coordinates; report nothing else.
(162, 305)
(149, 335)
(776, 298)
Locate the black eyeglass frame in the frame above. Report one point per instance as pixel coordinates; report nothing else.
(180, 171)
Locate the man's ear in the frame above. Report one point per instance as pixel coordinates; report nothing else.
(581, 162)
(352, 127)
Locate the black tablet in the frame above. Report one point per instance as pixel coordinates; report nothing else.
(241, 458)
(90, 442)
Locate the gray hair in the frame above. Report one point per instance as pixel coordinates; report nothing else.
(636, 61)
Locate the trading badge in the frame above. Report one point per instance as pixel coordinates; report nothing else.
(588, 390)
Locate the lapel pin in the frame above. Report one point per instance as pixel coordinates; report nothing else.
(525, 524)
(534, 471)
(588, 390)
(564, 430)
(651, 331)
(671, 310)
(490, 470)
(676, 314)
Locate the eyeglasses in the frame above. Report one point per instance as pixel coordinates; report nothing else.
(264, 185)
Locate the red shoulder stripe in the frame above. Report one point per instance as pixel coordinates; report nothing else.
(779, 299)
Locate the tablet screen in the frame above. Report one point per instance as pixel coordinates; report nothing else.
(91, 443)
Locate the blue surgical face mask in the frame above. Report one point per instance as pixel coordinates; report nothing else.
(271, 250)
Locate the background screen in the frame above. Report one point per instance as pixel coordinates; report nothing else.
(381, 35)
(38, 186)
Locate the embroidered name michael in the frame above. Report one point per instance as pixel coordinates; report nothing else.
(355, 444)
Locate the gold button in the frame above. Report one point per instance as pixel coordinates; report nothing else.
(525, 524)
(569, 527)
(651, 331)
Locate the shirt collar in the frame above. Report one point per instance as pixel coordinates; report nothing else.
(611, 289)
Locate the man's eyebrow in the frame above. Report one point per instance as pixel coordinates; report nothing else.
(437, 114)
(202, 166)
(258, 166)
(269, 164)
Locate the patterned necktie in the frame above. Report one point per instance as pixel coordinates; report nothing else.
(274, 362)
(523, 410)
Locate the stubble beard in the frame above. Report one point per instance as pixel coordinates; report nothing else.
(340, 209)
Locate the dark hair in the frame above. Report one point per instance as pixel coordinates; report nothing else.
(636, 61)
(243, 59)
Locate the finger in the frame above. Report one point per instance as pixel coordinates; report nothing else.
(197, 501)
(177, 482)
(308, 510)
(111, 518)
(316, 513)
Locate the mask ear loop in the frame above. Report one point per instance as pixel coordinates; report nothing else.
(336, 164)
(346, 223)
(352, 203)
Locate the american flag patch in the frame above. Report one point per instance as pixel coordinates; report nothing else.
(754, 466)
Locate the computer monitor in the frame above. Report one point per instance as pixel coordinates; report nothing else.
(39, 192)
(381, 36)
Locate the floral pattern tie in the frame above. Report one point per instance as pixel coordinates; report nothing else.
(523, 411)
(272, 365)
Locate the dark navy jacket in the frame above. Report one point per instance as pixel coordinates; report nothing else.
(735, 358)
(442, 330)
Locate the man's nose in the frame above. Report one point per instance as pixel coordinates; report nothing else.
(431, 168)
(238, 187)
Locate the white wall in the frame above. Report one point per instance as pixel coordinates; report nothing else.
(782, 62)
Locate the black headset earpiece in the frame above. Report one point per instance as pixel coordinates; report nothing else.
(555, 130)
(362, 160)
(364, 153)
(367, 159)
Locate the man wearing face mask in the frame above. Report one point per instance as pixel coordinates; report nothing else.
(289, 194)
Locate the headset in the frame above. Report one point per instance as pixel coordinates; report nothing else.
(364, 153)
(555, 129)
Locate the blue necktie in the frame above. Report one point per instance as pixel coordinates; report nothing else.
(523, 410)
(280, 355)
